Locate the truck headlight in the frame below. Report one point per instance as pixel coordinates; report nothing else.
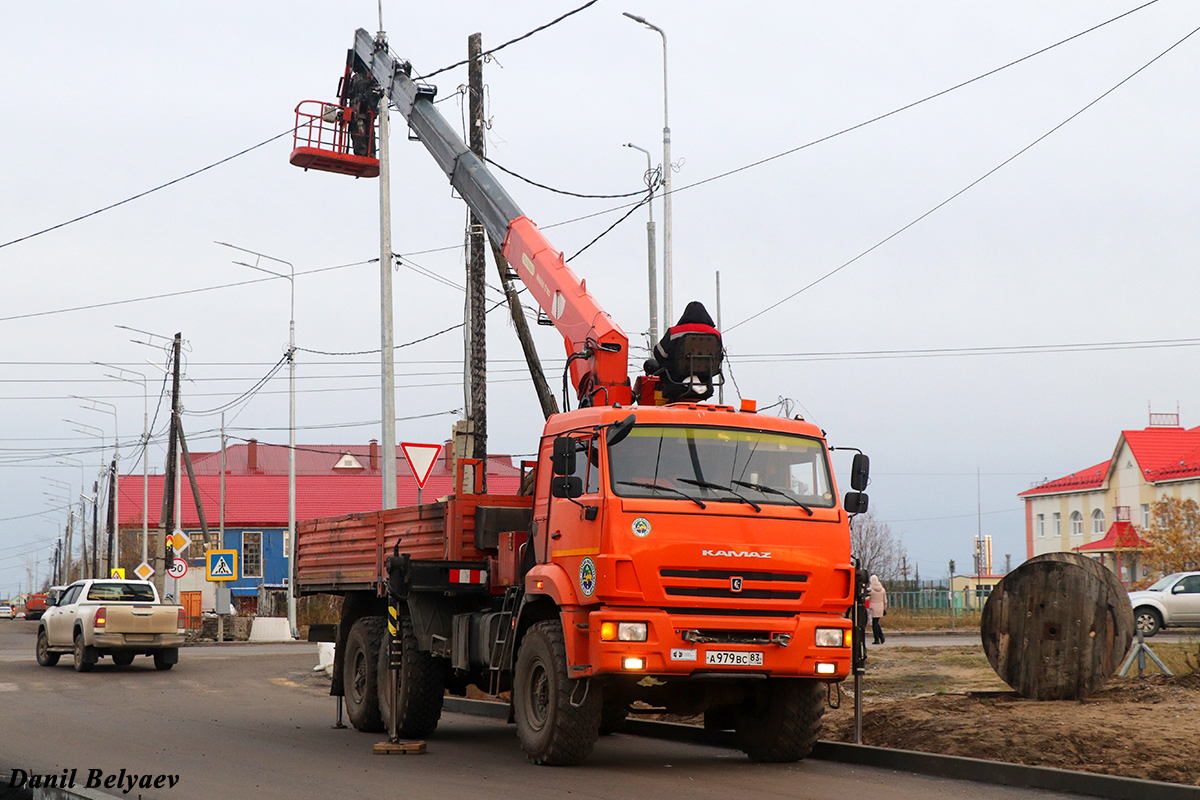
(631, 631)
(833, 637)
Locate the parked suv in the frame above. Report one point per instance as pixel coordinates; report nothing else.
(1170, 602)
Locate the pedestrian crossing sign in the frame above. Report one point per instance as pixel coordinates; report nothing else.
(222, 565)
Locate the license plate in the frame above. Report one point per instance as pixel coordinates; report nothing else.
(733, 658)
(139, 637)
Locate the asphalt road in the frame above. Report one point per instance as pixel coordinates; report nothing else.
(254, 721)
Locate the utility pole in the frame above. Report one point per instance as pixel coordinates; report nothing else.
(95, 524)
(476, 267)
(70, 546)
(161, 551)
(387, 343)
(114, 552)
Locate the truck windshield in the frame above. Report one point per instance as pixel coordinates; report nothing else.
(768, 468)
(116, 592)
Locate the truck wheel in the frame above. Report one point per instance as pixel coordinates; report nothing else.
(1148, 620)
(420, 685)
(360, 674)
(558, 719)
(122, 659)
(85, 655)
(782, 719)
(44, 656)
(165, 659)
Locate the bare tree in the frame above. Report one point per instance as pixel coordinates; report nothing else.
(877, 548)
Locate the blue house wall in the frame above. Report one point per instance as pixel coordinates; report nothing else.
(274, 559)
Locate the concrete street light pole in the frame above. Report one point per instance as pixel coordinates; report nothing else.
(650, 249)
(668, 286)
(291, 356)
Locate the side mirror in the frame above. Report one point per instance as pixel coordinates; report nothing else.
(568, 486)
(563, 460)
(619, 430)
(860, 472)
(1178, 588)
(855, 503)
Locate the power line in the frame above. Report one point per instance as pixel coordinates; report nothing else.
(396, 347)
(180, 293)
(523, 36)
(148, 191)
(966, 188)
(1081, 347)
(649, 196)
(507, 171)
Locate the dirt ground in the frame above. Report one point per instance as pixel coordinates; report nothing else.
(947, 700)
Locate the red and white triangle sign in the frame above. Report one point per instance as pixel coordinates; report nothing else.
(421, 458)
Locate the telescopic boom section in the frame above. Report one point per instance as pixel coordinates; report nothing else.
(600, 367)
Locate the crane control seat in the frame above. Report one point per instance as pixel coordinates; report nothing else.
(323, 140)
(692, 366)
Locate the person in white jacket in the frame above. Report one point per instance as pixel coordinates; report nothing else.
(878, 607)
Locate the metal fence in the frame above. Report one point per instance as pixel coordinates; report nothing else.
(937, 600)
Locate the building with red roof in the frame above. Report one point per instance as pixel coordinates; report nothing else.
(1101, 510)
(331, 480)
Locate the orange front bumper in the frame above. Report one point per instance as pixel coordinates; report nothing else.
(667, 653)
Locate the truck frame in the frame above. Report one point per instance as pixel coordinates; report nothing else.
(692, 558)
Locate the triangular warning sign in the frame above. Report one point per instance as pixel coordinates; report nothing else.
(421, 458)
(221, 568)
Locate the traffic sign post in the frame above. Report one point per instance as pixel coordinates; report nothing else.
(118, 574)
(421, 458)
(178, 569)
(180, 540)
(222, 565)
(144, 571)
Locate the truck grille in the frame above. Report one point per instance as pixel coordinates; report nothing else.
(685, 582)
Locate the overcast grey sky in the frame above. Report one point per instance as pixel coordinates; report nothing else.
(1087, 237)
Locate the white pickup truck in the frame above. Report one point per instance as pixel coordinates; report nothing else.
(96, 618)
(1170, 602)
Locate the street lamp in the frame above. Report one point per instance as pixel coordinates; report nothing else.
(650, 250)
(291, 355)
(668, 286)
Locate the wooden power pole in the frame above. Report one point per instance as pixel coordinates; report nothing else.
(164, 555)
(476, 268)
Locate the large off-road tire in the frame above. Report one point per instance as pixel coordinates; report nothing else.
(44, 656)
(360, 674)
(122, 659)
(165, 659)
(781, 720)
(420, 685)
(558, 719)
(1147, 620)
(85, 655)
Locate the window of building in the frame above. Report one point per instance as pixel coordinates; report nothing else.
(1098, 524)
(1076, 523)
(1041, 526)
(1145, 516)
(1057, 524)
(252, 554)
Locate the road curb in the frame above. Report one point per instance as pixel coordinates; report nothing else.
(976, 770)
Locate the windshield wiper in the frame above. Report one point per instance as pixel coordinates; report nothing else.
(648, 485)
(707, 485)
(758, 487)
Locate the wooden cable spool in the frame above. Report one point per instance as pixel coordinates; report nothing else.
(1057, 627)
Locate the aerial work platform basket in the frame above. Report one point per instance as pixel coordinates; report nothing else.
(325, 138)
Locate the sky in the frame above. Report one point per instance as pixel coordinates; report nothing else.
(1084, 238)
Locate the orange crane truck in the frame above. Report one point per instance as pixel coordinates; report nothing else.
(688, 556)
